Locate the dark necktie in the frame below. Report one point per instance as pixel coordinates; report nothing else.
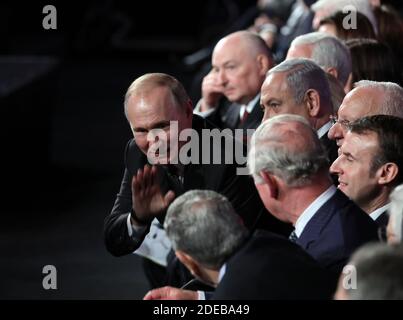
(244, 117)
(293, 237)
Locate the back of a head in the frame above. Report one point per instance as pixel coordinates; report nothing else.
(362, 29)
(372, 60)
(327, 52)
(332, 6)
(150, 81)
(379, 273)
(302, 75)
(288, 147)
(204, 225)
(391, 93)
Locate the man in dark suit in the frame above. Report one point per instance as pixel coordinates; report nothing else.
(218, 250)
(159, 110)
(230, 92)
(291, 173)
(300, 86)
(370, 163)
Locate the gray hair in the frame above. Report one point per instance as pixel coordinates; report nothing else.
(396, 211)
(379, 272)
(302, 75)
(204, 225)
(294, 156)
(327, 52)
(332, 6)
(392, 104)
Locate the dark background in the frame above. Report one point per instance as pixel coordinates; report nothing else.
(63, 131)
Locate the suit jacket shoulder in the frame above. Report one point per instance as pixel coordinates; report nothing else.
(336, 230)
(277, 269)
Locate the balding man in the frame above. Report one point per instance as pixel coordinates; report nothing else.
(300, 86)
(240, 62)
(290, 169)
(370, 163)
(157, 103)
(366, 99)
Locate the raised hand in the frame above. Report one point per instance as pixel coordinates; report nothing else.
(147, 197)
(211, 92)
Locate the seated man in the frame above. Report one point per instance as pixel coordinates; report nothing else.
(326, 51)
(300, 86)
(370, 164)
(157, 103)
(368, 98)
(230, 92)
(211, 241)
(291, 173)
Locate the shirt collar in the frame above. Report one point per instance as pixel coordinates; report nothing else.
(324, 129)
(221, 273)
(310, 211)
(248, 107)
(376, 213)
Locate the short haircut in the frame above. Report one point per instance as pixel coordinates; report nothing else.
(204, 225)
(396, 211)
(390, 139)
(379, 272)
(149, 81)
(327, 52)
(392, 104)
(294, 156)
(302, 75)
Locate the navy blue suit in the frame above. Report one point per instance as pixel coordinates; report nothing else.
(268, 266)
(336, 230)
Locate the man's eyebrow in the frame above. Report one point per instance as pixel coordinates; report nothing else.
(158, 125)
(349, 154)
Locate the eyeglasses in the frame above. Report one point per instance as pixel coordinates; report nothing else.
(343, 123)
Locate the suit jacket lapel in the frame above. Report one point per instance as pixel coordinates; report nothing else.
(319, 221)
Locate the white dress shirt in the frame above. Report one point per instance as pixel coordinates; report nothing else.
(376, 213)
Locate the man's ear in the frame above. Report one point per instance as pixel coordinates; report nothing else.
(264, 64)
(312, 100)
(189, 108)
(189, 263)
(333, 72)
(271, 183)
(387, 173)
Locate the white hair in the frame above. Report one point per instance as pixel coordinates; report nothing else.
(392, 103)
(327, 52)
(396, 211)
(332, 6)
(295, 157)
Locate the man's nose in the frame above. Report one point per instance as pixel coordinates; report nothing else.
(335, 132)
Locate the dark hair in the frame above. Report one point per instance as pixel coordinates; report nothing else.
(364, 27)
(372, 60)
(389, 131)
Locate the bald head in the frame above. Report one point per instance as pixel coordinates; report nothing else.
(368, 98)
(240, 62)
